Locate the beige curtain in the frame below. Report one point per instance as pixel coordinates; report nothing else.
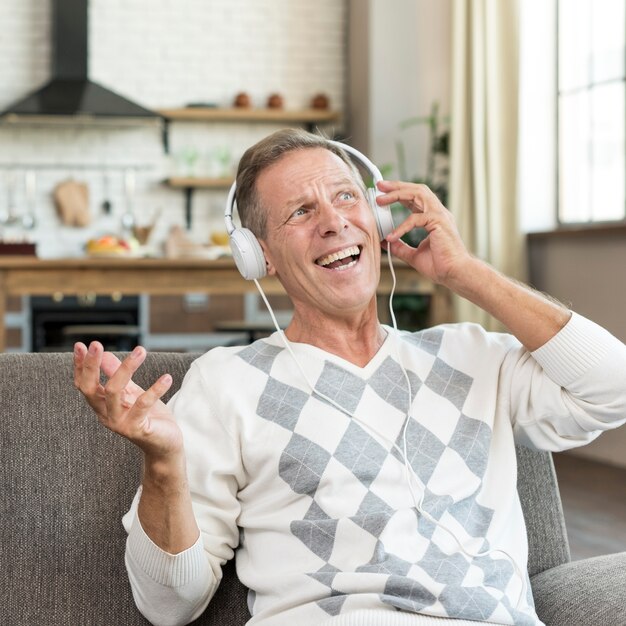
(483, 151)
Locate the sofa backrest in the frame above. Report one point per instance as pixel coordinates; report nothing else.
(66, 481)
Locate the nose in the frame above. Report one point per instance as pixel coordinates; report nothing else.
(331, 221)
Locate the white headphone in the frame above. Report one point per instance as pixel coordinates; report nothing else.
(246, 248)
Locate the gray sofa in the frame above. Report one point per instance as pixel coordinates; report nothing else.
(66, 481)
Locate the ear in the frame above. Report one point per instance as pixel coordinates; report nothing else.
(271, 270)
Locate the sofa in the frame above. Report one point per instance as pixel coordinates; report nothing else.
(66, 481)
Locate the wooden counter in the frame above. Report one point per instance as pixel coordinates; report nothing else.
(32, 276)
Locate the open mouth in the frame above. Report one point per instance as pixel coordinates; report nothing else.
(341, 260)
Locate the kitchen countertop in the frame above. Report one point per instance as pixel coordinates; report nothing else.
(27, 275)
(110, 261)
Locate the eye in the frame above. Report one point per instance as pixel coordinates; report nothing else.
(346, 195)
(299, 212)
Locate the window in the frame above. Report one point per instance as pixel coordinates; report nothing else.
(591, 111)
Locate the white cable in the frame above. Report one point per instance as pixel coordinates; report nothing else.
(311, 386)
(410, 473)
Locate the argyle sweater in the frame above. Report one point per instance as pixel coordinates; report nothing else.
(315, 495)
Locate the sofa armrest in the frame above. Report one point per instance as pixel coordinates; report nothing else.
(587, 592)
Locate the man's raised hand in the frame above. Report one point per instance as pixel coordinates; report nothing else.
(123, 406)
(442, 256)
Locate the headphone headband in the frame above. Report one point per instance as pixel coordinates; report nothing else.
(361, 158)
(230, 204)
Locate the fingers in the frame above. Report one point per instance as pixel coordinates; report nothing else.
(150, 397)
(120, 373)
(120, 391)
(387, 186)
(87, 375)
(79, 354)
(87, 367)
(415, 220)
(412, 195)
(401, 250)
(426, 209)
(110, 364)
(136, 422)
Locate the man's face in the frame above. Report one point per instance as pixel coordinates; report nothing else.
(321, 239)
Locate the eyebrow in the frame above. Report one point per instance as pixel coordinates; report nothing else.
(344, 180)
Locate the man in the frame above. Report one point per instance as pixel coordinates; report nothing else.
(366, 476)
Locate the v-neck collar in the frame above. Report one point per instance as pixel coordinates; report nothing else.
(308, 350)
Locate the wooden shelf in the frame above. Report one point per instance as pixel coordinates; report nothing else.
(309, 118)
(192, 182)
(209, 114)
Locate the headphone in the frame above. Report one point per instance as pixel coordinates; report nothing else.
(246, 249)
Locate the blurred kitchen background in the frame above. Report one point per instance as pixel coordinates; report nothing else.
(159, 55)
(513, 111)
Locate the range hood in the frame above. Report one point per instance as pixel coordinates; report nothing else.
(70, 92)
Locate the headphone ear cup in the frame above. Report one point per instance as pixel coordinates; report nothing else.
(382, 214)
(248, 254)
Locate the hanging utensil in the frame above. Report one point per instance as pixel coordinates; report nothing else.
(128, 217)
(28, 219)
(107, 205)
(8, 214)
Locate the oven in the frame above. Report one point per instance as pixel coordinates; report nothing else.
(58, 322)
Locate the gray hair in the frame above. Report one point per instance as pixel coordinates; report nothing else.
(265, 153)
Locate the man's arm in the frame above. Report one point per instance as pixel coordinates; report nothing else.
(572, 388)
(140, 416)
(163, 541)
(530, 316)
(443, 257)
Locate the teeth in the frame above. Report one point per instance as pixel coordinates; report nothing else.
(344, 267)
(336, 256)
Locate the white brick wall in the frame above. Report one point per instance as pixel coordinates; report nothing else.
(162, 53)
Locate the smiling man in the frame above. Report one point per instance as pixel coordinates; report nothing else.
(364, 476)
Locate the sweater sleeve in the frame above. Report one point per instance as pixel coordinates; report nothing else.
(567, 392)
(168, 589)
(175, 589)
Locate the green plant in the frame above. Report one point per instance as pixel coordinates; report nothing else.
(438, 150)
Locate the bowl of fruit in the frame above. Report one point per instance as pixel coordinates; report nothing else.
(110, 246)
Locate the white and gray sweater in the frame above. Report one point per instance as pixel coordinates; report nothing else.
(317, 500)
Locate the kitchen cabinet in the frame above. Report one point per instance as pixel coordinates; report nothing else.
(309, 118)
